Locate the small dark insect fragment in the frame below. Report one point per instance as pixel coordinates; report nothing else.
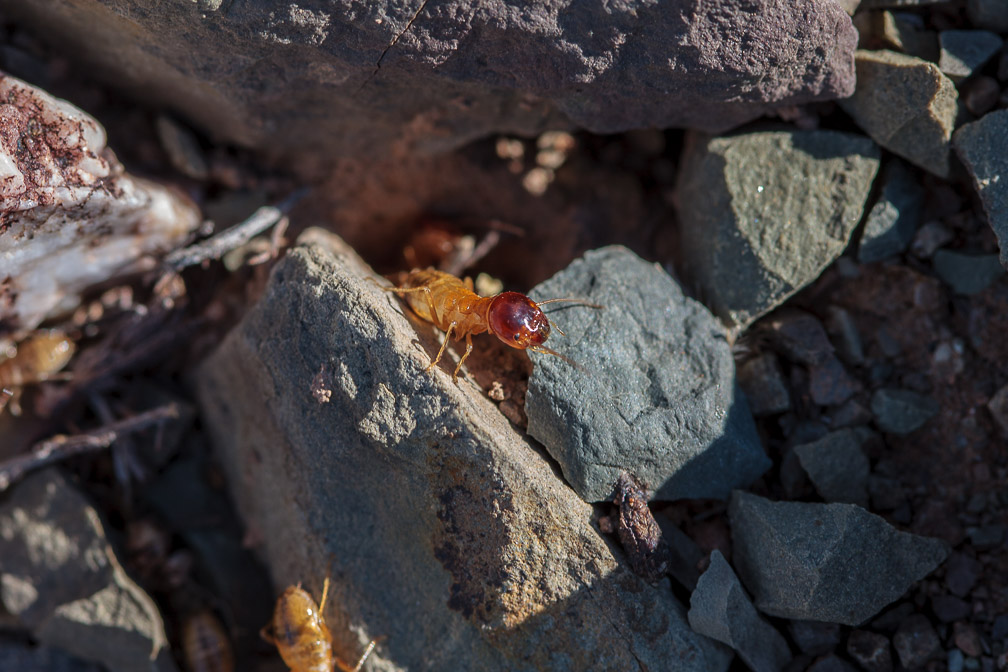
(638, 531)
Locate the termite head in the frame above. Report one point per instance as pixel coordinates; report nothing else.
(518, 321)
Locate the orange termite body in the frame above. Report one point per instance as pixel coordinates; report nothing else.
(301, 636)
(36, 359)
(206, 646)
(454, 307)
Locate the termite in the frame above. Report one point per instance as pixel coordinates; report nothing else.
(206, 645)
(36, 359)
(301, 635)
(453, 306)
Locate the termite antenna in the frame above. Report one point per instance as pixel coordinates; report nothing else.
(561, 331)
(580, 302)
(547, 351)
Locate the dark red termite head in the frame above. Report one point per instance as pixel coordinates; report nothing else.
(518, 321)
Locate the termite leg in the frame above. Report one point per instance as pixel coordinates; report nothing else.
(325, 593)
(367, 652)
(437, 359)
(462, 361)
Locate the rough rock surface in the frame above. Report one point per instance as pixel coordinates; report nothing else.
(69, 217)
(900, 411)
(837, 467)
(963, 52)
(906, 105)
(720, 609)
(967, 273)
(750, 236)
(350, 459)
(824, 562)
(338, 78)
(895, 216)
(60, 579)
(980, 146)
(654, 391)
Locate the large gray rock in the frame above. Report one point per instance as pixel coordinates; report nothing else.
(750, 238)
(981, 145)
(60, 579)
(444, 531)
(340, 78)
(654, 394)
(824, 562)
(720, 609)
(906, 105)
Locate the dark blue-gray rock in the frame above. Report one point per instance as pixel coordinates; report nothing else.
(60, 580)
(870, 650)
(830, 384)
(340, 78)
(967, 273)
(837, 467)
(799, 336)
(831, 663)
(894, 218)
(685, 557)
(22, 657)
(442, 527)
(988, 14)
(814, 638)
(906, 105)
(749, 238)
(929, 238)
(980, 146)
(986, 537)
(980, 95)
(998, 407)
(654, 392)
(949, 608)
(720, 609)
(846, 335)
(835, 563)
(963, 52)
(763, 383)
(899, 411)
(961, 574)
(916, 642)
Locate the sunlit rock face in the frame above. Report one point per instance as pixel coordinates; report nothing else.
(70, 217)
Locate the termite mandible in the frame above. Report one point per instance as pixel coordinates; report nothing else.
(452, 305)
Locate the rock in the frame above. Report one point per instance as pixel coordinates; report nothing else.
(967, 273)
(61, 580)
(685, 556)
(955, 661)
(749, 239)
(878, 4)
(986, 537)
(901, 411)
(24, 658)
(845, 333)
(961, 574)
(835, 563)
(401, 473)
(906, 105)
(963, 52)
(931, 236)
(837, 467)
(870, 650)
(831, 663)
(967, 639)
(799, 336)
(949, 608)
(763, 383)
(979, 146)
(720, 609)
(886, 493)
(998, 407)
(815, 639)
(980, 95)
(916, 642)
(71, 218)
(356, 81)
(988, 14)
(653, 393)
(830, 384)
(905, 32)
(894, 218)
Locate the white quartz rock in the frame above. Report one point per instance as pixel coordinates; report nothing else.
(70, 217)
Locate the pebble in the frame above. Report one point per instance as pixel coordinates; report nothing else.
(998, 407)
(799, 336)
(837, 467)
(895, 216)
(655, 394)
(963, 52)
(846, 336)
(980, 146)
(929, 237)
(961, 574)
(916, 641)
(988, 14)
(906, 105)
(831, 663)
(815, 638)
(830, 384)
(955, 661)
(749, 239)
(967, 273)
(870, 650)
(949, 608)
(980, 95)
(986, 536)
(763, 383)
(721, 610)
(835, 563)
(901, 411)
(967, 639)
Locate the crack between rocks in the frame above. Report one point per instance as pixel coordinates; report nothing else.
(629, 640)
(394, 41)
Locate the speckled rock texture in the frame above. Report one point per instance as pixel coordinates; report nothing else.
(980, 145)
(344, 78)
(654, 392)
(444, 530)
(69, 216)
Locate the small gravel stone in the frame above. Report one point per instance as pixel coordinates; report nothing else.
(988, 14)
(961, 573)
(895, 216)
(999, 630)
(998, 407)
(963, 52)
(967, 639)
(830, 384)
(901, 411)
(831, 663)
(955, 660)
(980, 146)
(980, 95)
(916, 641)
(837, 467)
(799, 336)
(906, 105)
(763, 383)
(845, 335)
(815, 638)
(720, 609)
(967, 273)
(949, 608)
(931, 236)
(870, 650)
(986, 536)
